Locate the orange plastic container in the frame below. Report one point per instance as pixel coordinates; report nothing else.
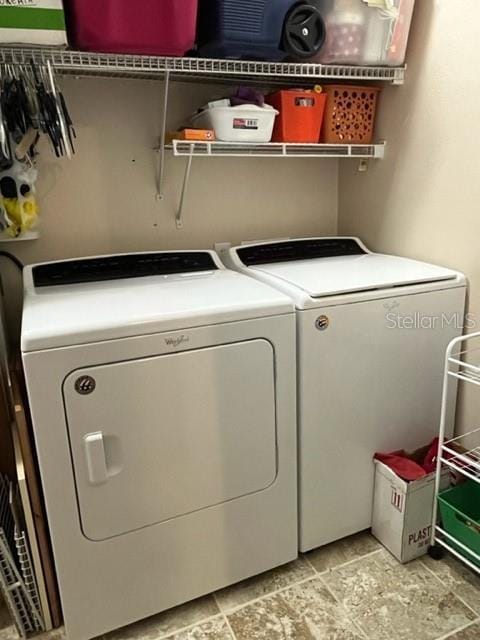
(301, 115)
(349, 114)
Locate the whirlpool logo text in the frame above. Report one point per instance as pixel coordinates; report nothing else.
(176, 341)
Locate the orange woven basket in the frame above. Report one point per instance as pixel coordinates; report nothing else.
(350, 114)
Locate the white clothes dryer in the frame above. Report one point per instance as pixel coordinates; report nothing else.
(162, 392)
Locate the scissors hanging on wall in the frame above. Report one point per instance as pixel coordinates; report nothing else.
(31, 104)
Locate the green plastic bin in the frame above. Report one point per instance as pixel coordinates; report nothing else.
(460, 511)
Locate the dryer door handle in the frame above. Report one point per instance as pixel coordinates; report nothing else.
(96, 460)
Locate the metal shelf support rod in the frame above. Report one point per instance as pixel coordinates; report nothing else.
(163, 131)
(441, 441)
(186, 180)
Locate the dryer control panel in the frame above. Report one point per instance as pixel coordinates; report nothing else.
(121, 267)
(290, 250)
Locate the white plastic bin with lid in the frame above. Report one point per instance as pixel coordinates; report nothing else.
(366, 33)
(242, 123)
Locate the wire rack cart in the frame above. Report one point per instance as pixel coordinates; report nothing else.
(460, 454)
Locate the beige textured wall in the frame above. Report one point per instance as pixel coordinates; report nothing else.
(104, 200)
(423, 200)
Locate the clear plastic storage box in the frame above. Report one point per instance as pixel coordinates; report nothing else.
(366, 32)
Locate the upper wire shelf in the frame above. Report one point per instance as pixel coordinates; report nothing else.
(84, 63)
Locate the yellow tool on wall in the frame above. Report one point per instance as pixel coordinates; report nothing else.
(18, 205)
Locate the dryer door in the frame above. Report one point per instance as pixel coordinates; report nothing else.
(156, 438)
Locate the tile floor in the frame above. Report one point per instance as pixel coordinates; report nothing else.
(349, 590)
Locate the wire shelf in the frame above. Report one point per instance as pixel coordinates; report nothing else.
(21, 600)
(466, 376)
(462, 454)
(463, 364)
(454, 546)
(276, 150)
(460, 368)
(84, 63)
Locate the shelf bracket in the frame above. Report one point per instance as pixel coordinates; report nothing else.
(163, 130)
(363, 165)
(186, 180)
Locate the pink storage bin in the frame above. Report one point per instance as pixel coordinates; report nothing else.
(155, 27)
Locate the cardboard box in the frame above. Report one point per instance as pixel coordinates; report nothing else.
(32, 22)
(402, 512)
(193, 135)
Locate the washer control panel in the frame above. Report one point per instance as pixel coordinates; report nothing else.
(290, 250)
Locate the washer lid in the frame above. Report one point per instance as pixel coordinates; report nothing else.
(76, 302)
(332, 266)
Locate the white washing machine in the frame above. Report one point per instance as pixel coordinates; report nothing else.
(162, 391)
(372, 332)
